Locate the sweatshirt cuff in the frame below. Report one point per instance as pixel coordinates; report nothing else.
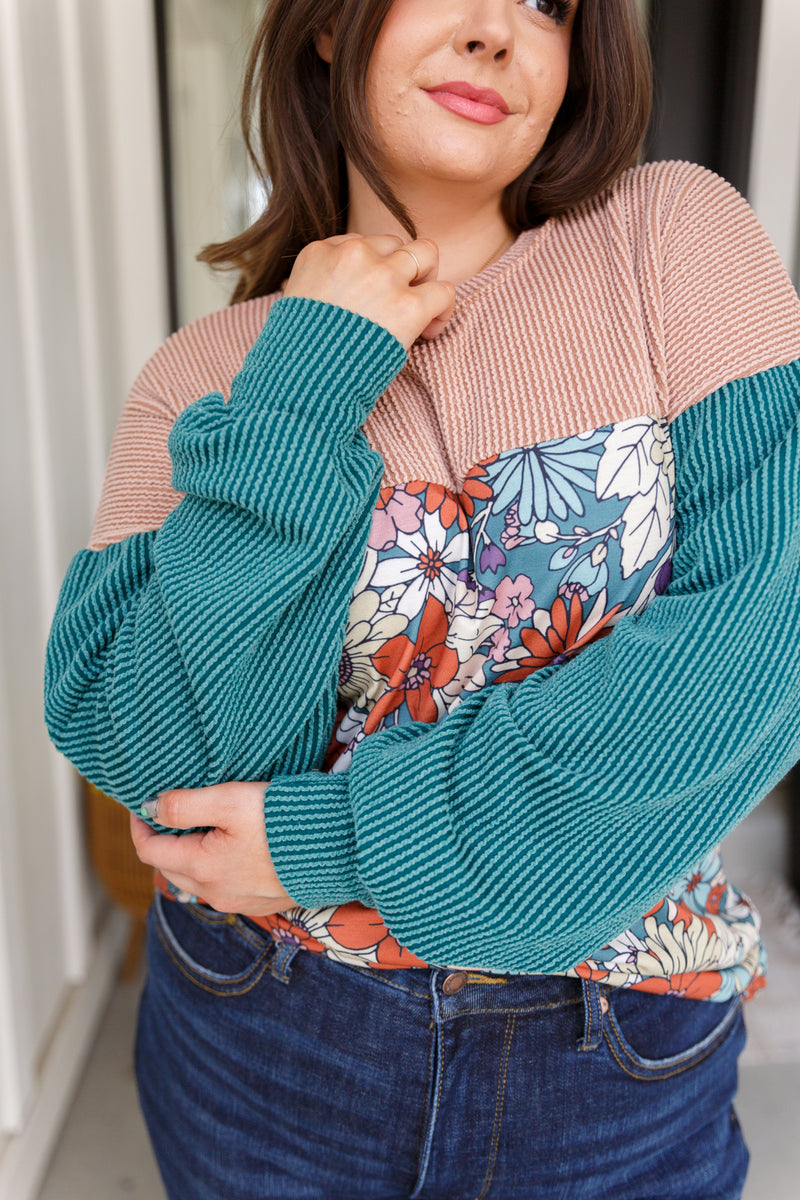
(341, 364)
(312, 839)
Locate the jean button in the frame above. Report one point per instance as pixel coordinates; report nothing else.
(454, 983)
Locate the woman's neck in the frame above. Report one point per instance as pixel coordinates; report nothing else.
(468, 241)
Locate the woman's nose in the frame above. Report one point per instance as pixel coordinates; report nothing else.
(485, 28)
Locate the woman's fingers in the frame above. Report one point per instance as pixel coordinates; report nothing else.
(188, 808)
(165, 850)
(232, 872)
(380, 276)
(437, 324)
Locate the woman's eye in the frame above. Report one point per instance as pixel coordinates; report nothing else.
(557, 9)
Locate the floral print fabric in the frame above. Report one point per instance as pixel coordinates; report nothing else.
(541, 552)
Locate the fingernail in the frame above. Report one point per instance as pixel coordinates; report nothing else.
(150, 808)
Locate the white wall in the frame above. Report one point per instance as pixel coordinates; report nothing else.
(775, 163)
(82, 304)
(208, 41)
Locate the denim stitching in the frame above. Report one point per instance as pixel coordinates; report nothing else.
(194, 972)
(677, 1065)
(429, 1130)
(261, 962)
(230, 920)
(528, 1008)
(368, 973)
(498, 1110)
(592, 995)
(431, 1056)
(586, 1039)
(674, 1060)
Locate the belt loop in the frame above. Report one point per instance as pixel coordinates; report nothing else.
(282, 958)
(594, 1004)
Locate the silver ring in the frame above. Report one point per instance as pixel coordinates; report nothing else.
(416, 260)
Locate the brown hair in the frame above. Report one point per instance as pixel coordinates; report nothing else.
(308, 113)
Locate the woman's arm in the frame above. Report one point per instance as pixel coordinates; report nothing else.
(208, 649)
(538, 820)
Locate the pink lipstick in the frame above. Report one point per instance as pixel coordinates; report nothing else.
(484, 105)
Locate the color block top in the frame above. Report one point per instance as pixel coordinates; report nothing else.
(522, 583)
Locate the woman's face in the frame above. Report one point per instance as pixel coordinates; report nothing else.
(518, 48)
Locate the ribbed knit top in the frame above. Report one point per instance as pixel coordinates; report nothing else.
(591, 318)
(541, 818)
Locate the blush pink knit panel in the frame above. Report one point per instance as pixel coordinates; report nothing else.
(588, 320)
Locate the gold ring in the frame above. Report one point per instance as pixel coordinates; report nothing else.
(416, 260)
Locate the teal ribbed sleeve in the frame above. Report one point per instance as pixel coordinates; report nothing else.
(209, 650)
(539, 820)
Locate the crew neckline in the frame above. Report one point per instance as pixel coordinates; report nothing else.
(476, 283)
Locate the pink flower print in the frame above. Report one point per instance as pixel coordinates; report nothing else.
(510, 537)
(568, 590)
(396, 512)
(419, 672)
(500, 642)
(513, 601)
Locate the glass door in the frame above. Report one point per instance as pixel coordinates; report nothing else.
(213, 194)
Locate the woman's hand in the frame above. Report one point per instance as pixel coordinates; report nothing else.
(369, 276)
(229, 867)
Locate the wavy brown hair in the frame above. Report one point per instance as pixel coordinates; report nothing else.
(301, 116)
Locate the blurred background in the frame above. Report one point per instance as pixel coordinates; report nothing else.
(121, 157)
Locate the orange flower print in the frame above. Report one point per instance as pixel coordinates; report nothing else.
(286, 930)
(596, 974)
(439, 499)
(475, 488)
(392, 954)
(561, 636)
(355, 927)
(755, 985)
(715, 896)
(414, 669)
(693, 985)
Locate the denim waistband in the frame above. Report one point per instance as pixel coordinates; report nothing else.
(456, 993)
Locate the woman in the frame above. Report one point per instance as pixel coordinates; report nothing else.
(508, 462)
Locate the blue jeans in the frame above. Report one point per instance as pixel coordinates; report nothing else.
(267, 1071)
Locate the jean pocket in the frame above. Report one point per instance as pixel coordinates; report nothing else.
(218, 952)
(657, 1037)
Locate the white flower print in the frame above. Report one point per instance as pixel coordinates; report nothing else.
(315, 920)
(627, 946)
(367, 630)
(470, 620)
(662, 452)
(638, 462)
(426, 566)
(470, 677)
(739, 908)
(621, 965)
(648, 526)
(350, 733)
(627, 466)
(683, 948)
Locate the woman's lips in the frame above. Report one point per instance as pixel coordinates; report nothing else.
(473, 110)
